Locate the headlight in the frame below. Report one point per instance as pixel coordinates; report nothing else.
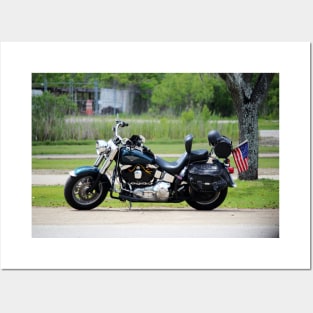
(143, 139)
(102, 147)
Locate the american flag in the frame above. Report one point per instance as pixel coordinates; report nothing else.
(240, 155)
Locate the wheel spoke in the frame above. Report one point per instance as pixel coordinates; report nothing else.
(81, 191)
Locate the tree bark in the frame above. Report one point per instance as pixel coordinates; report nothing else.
(247, 97)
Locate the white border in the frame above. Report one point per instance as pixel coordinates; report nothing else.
(20, 251)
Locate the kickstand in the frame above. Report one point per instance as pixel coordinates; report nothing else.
(129, 205)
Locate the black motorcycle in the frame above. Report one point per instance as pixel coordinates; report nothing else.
(138, 175)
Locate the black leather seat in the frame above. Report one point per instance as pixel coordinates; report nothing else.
(173, 167)
(199, 155)
(176, 166)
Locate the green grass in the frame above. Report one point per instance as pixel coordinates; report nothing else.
(268, 149)
(153, 128)
(263, 193)
(265, 124)
(268, 162)
(158, 147)
(60, 164)
(89, 147)
(69, 164)
(163, 135)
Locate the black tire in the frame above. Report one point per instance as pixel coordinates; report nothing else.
(77, 196)
(207, 201)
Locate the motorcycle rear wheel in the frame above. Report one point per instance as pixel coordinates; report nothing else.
(207, 201)
(78, 196)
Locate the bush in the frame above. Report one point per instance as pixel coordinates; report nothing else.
(48, 112)
(188, 116)
(205, 113)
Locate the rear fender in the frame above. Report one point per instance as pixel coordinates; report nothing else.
(228, 178)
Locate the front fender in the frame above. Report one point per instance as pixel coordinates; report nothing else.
(83, 170)
(86, 170)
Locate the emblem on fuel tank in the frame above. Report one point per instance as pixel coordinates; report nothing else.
(131, 158)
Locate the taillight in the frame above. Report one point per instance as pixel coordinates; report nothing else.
(230, 170)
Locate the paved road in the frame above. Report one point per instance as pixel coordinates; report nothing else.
(269, 133)
(155, 222)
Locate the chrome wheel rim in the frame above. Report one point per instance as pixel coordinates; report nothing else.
(81, 194)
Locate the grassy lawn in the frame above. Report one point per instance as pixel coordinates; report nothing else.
(89, 147)
(159, 142)
(69, 164)
(263, 193)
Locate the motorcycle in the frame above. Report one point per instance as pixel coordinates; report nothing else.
(197, 176)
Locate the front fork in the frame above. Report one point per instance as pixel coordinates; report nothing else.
(108, 161)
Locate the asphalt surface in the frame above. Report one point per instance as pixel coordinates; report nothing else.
(153, 231)
(154, 222)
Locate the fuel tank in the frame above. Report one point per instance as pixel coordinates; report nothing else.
(136, 156)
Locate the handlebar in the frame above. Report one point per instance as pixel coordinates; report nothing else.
(119, 124)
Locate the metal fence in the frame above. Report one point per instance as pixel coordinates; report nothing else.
(104, 100)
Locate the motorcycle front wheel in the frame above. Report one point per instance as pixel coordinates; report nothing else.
(78, 195)
(207, 200)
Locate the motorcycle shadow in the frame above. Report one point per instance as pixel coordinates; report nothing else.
(152, 209)
(168, 209)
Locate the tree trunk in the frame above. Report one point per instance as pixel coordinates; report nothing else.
(248, 129)
(247, 97)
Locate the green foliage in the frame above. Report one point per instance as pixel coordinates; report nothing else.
(181, 91)
(48, 112)
(188, 116)
(222, 102)
(165, 93)
(271, 106)
(205, 113)
(93, 127)
(79, 131)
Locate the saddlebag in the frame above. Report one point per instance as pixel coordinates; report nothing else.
(206, 177)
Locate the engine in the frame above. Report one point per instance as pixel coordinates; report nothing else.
(138, 174)
(159, 192)
(146, 182)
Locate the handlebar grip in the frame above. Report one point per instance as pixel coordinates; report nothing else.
(121, 124)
